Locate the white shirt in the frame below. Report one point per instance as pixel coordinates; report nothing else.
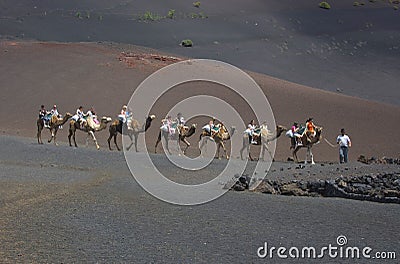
(54, 112)
(344, 141)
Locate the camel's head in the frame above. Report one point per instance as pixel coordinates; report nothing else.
(152, 117)
(194, 125)
(281, 128)
(106, 119)
(68, 115)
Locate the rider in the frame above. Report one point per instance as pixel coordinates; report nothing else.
(209, 128)
(296, 136)
(44, 115)
(250, 131)
(80, 117)
(92, 114)
(310, 129)
(123, 115)
(54, 111)
(180, 119)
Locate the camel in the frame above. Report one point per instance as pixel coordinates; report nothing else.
(54, 124)
(218, 137)
(307, 144)
(90, 128)
(263, 140)
(118, 127)
(181, 133)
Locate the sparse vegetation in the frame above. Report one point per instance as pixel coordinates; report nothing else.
(395, 7)
(100, 17)
(324, 5)
(78, 15)
(171, 14)
(149, 16)
(196, 4)
(193, 15)
(187, 43)
(358, 3)
(202, 15)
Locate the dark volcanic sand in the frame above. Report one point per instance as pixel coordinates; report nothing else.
(353, 50)
(82, 205)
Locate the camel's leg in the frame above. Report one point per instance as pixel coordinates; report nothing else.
(115, 141)
(158, 141)
(131, 138)
(243, 147)
(295, 154)
(166, 143)
(264, 147)
(108, 140)
(55, 137)
(136, 141)
(311, 156)
(94, 139)
(202, 144)
(73, 137)
(69, 137)
(39, 135)
(307, 154)
(51, 135)
(187, 144)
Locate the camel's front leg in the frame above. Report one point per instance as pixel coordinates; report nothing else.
(311, 156)
(202, 144)
(243, 147)
(54, 137)
(94, 139)
(131, 139)
(51, 135)
(264, 147)
(187, 145)
(166, 143)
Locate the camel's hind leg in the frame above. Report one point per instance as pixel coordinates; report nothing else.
(157, 142)
(69, 137)
(115, 141)
(39, 135)
(109, 140)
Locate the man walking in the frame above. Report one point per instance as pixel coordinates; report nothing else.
(344, 144)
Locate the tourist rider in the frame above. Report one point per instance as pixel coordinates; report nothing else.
(44, 115)
(310, 129)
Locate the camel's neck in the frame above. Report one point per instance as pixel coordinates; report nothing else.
(191, 131)
(102, 126)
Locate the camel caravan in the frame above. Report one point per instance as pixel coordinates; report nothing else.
(303, 136)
